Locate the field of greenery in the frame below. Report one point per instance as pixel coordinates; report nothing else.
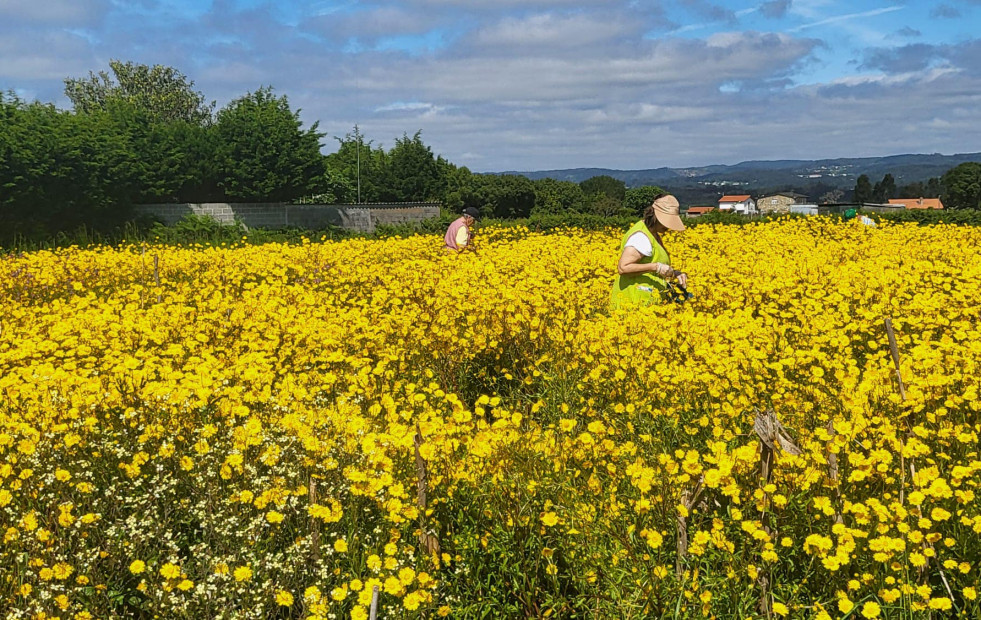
(272, 431)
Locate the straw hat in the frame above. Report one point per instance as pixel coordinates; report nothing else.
(667, 211)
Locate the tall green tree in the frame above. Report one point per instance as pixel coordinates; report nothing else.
(637, 199)
(164, 93)
(412, 172)
(60, 170)
(604, 184)
(863, 189)
(171, 161)
(555, 197)
(884, 189)
(262, 151)
(359, 167)
(963, 186)
(505, 196)
(917, 189)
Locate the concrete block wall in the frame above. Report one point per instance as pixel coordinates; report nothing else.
(362, 218)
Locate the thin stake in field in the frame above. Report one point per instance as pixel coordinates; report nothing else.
(772, 434)
(924, 569)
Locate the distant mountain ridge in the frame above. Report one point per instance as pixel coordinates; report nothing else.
(759, 174)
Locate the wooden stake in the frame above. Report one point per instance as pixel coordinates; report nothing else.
(833, 473)
(314, 523)
(156, 275)
(682, 535)
(895, 357)
(428, 542)
(688, 499)
(924, 570)
(772, 434)
(373, 614)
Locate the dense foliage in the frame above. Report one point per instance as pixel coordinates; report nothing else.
(273, 431)
(963, 185)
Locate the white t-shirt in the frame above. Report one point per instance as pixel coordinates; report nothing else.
(641, 243)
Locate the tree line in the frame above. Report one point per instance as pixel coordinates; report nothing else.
(140, 134)
(958, 188)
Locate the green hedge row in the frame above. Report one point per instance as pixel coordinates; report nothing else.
(206, 231)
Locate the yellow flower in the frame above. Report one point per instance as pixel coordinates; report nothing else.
(393, 586)
(312, 595)
(359, 613)
(550, 519)
(412, 600)
(340, 545)
(170, 571)
(274, 517)
(780, 609)
(242, 573)
(62, 570)
(137, 567)
(871, 610)
(406, 575)
(185, 585)
(942, 604)
(284, 598)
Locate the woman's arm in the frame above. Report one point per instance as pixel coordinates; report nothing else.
(628, 263)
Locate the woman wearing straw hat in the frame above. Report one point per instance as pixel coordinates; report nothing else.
(645, 266)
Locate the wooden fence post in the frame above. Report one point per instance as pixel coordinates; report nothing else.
(923, 570)
(772, 435)
(373, 614)
(156, 275)
(833, 473)
(314, 523)
(679, 565)
(688, 498)
(428, 542)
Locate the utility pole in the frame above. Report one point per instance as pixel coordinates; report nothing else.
(357, 133)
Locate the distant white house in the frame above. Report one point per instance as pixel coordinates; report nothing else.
(741, 203)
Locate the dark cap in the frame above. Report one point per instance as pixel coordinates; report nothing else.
(472, 212)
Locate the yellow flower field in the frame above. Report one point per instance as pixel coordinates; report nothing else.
(273, 431)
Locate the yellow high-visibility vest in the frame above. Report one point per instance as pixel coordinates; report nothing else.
(640, 289)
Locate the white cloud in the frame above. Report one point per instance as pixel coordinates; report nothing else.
(536, 84)
(554, 32)
(58, 12)
(847, 17)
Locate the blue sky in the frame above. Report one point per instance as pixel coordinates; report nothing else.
(542, 84)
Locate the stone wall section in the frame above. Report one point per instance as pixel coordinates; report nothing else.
(274, 215)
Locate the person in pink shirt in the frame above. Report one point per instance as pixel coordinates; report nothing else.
(458, 236)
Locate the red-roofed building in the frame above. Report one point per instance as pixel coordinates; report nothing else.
(698, 211)
(918, 203)
(737, 203)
